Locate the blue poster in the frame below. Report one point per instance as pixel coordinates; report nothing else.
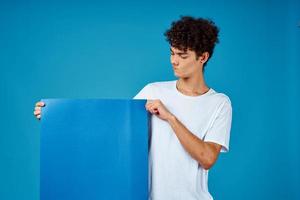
(95, 149)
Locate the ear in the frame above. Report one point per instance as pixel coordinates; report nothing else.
(204, 57)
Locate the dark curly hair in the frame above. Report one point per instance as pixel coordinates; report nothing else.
(196, 34)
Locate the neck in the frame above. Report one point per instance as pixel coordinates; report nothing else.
(193, 85)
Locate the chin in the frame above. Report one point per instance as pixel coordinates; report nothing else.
(179, 75)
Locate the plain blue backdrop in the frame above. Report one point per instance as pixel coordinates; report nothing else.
(111, 49)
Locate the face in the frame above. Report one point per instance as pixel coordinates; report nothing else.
(185, 64)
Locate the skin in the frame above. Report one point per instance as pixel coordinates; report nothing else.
(37, 109)
(188, 68)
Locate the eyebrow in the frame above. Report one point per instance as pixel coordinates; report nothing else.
(181, 53)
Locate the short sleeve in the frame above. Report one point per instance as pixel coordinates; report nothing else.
(145, 93)
(219, 132)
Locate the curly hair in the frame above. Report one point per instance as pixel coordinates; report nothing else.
(196, 34)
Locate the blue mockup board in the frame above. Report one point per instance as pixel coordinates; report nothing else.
(94, 150)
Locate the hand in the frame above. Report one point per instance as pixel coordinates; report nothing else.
(37, 110)
(157, 108)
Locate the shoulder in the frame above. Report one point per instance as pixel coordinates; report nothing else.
(220, 98)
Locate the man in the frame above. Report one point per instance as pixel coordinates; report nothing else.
(190, 122)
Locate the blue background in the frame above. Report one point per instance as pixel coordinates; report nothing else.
(112, 49)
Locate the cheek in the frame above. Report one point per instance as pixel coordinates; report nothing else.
(186, 65)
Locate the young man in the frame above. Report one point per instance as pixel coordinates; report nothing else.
(191, 122)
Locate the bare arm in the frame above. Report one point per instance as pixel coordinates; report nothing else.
(205, 153)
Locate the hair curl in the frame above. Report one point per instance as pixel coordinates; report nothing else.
(196, 34)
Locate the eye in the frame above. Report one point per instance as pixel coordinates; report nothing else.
(184, 57)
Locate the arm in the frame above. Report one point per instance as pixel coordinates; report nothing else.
(205, 153)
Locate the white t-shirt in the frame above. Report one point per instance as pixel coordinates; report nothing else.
(173, 173)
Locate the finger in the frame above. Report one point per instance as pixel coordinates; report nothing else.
(37, 112)
(40, 103)
(148, 106)
(151, 107)
(37, 108)
(38, 116)
(156, 102)
(153, 110)
(149, 101)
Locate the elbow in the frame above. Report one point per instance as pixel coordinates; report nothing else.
(207, 163)
(208, 158)
(207, 166)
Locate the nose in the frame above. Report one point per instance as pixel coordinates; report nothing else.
(174, 60)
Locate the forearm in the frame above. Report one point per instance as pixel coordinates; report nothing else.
(197, 148)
